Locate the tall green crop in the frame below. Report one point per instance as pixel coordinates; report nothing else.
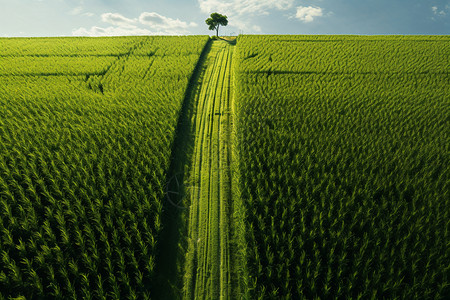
(343, 159)
(86, 132)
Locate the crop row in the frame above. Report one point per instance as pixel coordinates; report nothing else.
(344, 55)
(343, 176)
(23, 65)
(81, 46)
(110, 46)
(83, 165)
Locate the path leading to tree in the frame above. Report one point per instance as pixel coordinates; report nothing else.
(207, 266)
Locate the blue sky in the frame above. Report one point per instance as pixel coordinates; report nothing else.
(176, 17)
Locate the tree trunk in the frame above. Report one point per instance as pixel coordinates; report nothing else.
(217, 31)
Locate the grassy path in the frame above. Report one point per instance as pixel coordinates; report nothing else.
(172, 241)
(207, 266)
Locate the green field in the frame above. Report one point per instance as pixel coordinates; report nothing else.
(86, 134)
(266, 167)
(343, 146)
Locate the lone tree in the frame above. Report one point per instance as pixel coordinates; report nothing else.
(215, 21)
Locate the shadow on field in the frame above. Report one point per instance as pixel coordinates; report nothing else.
(173, 237)
(230, 40)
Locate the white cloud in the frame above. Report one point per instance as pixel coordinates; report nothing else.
(209, 6)
(252, 7)
(438, 12)
(88, 14)
(76, 10)
(308, 13)
(156, 25)
(118, 20)
(110, 31)
(240, 12)
(162, 23)
(256, 28)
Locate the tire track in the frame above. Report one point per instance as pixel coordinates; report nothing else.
(207, 266)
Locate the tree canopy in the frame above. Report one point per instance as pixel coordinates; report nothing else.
(215, 20)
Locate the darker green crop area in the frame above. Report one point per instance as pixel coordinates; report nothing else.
(343, 160)
(86, 133)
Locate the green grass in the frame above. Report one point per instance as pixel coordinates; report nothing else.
(87, 127)
(343, 160)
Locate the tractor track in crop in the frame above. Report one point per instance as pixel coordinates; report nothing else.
(207, 267)
(194, 256)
